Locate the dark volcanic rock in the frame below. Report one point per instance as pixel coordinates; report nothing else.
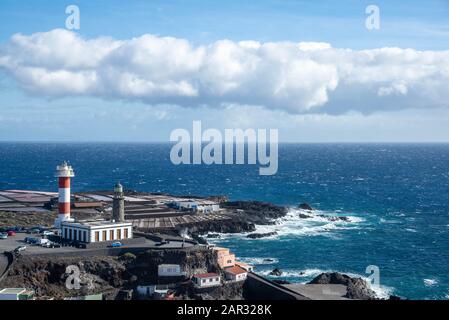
(236, 225)
(305, 206)
(256, 212)
(261, 235)
(357, 288)
(213, 235)
(334, 218)
(276, 272)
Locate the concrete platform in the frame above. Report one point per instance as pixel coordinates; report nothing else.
(319, 291)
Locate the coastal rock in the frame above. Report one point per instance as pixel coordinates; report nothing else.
(276, 272)
(107, 274)
(261, 235)
(357, 288)
(305, 206)
(334, 218)
(256, 212)
(213, 236)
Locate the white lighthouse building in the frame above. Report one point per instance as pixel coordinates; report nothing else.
(63, 172)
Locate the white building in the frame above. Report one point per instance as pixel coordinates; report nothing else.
(200, 205)
(235, 273)
(148, 291)
(169, 270)
(96, 231)
(245, 266)
(205, 280)
(16, 294)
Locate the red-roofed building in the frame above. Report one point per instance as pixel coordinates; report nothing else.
(236, 273)
(204, 280)
(245, 266)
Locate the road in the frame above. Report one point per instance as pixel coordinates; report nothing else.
(18, 240)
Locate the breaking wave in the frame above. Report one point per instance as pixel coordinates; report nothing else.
(306, 223)
(300, 223)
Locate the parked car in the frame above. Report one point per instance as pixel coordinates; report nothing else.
(11, 233)
(55, 245)
(20, 248)
(33, 230)
(48, 233)
(3, 236)
(116, 244)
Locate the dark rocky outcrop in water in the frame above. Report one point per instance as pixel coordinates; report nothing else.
(261, 235)
(276, 272)
(357, 288)
(255, 211)
(305, 206)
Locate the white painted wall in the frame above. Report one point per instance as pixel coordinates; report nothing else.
(208, 282)
(169, 270)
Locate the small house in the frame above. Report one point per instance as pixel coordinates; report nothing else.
(236, 273)
(16, 294)
(152, 290)
(169, 270)
(245, 266)
(224, 257)
(205, 280)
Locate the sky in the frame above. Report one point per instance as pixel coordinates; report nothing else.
(137, 70)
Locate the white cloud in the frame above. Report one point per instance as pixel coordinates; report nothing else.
(305, 77)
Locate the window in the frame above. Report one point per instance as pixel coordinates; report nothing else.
(126, 233)
(70, 234)
(79, 235)
(85, 236)
(119, 234)
(111, 234)
(97, 236)
(104, 235)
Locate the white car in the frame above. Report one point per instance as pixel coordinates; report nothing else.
(20, 248)
(48, 233)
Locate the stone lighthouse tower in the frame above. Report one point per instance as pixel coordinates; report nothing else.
(118, 204)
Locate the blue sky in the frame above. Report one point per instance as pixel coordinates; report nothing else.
(35, 114)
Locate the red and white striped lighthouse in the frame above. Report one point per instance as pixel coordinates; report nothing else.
(63, 172)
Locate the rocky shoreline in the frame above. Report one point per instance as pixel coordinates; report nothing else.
(112, 274)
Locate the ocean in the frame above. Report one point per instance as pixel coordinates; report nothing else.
(395, 195)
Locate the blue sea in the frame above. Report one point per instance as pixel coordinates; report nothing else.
(396, 195)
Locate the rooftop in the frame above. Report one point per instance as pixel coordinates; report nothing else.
(206, 275)
(95, 223)
(169, 265)
(243, 264)
(235, 270)
(13, 291)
